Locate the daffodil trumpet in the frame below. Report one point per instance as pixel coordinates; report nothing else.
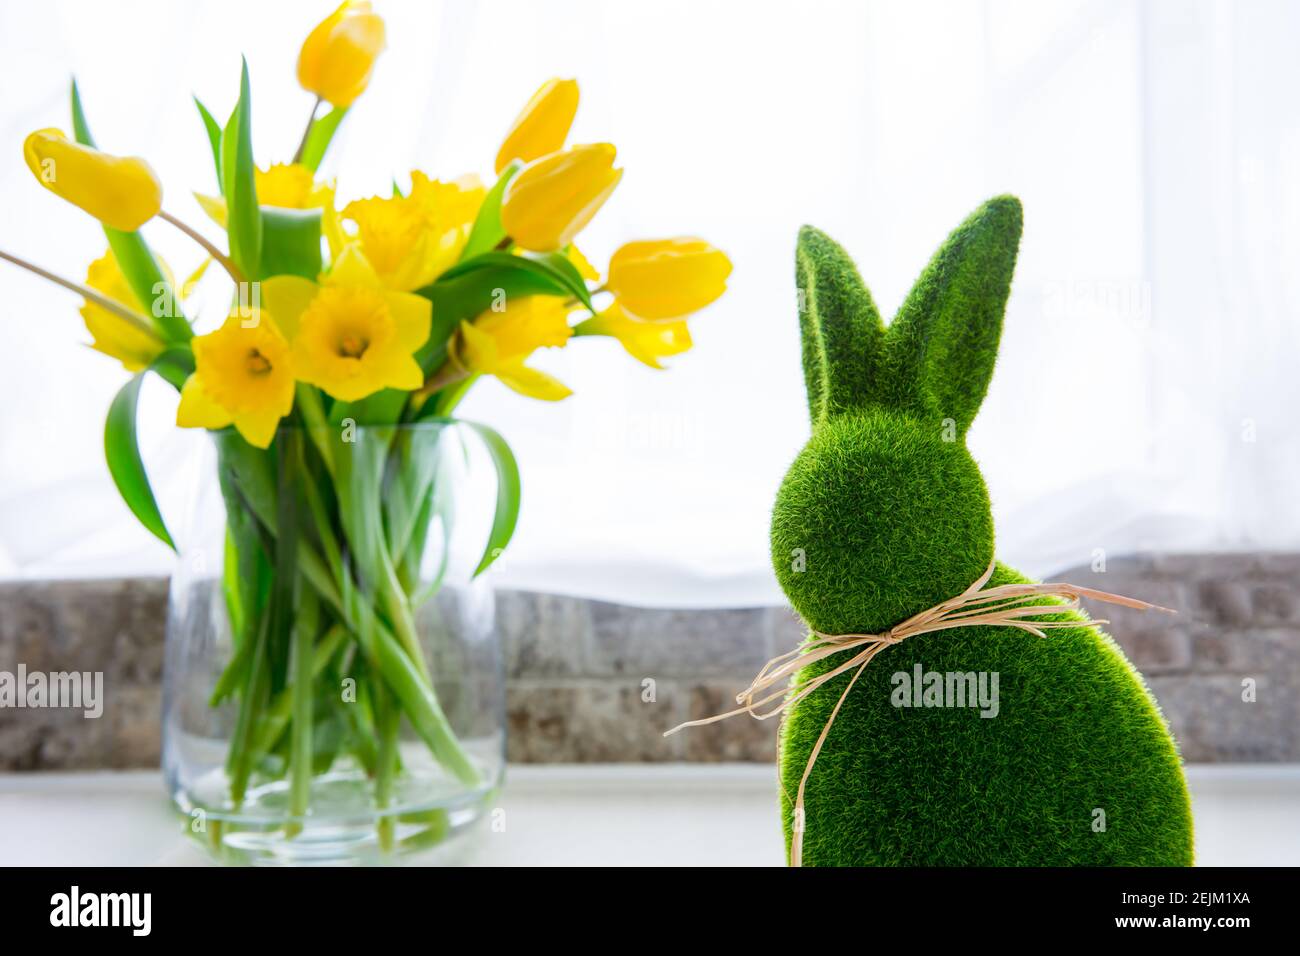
(357, 329)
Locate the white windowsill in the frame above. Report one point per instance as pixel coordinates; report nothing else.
(609, 814)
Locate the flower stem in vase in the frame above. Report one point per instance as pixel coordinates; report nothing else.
(302, 690)
(388, 717)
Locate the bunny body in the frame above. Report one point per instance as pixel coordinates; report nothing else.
(884, 513)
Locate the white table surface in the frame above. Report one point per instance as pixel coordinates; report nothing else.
(610, 814)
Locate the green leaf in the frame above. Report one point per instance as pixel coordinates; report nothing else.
(291, 242)
(508, 487)
(243, 216)
(319, 138)
(124, 464)
(174, 366)
(553, 266)
(416, 453)
(384, 407)
(144, 275)
(467, 296)
(246, 583)
(487, 232)
(507, 509)
(214, 139)
(250, 471)
(359, 482)
(563, 266)
(136, 260)
(80, 129)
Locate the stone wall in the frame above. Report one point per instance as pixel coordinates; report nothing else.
(590, 681)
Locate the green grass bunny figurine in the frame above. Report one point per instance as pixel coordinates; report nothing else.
(884, 514)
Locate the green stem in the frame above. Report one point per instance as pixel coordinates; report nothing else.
(318, 427)
(226, 263)
(388, 719)
(130, 316)
(393, 656)
(398, 607)
(306, 133)
(301, 690)
(277, 714)
(400, 674)
(239, 761)
(449, 398)
(366, 748)
(324, 528)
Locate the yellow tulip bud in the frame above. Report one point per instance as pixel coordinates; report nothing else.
(122, 192)
(667, 278)
(543, 124)
(338, 56)
(553, 198)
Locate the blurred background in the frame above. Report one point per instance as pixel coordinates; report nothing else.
(1146, 394)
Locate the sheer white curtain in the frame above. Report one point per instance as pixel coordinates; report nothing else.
(1145, 395)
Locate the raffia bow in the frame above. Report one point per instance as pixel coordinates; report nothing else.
(1003, 606)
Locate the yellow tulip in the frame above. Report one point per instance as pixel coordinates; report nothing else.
(553, 198)
(498, 343)
(411, 240)
(543, 124)
(338, 56)
(122, 192)
(130, 344)
(667, 278)
(243, 377)
(645, 341)
(350, 334)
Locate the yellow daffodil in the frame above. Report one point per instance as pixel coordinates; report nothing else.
(452, 205)
(286, 186)
(133, 346)
(290, 186)
(498, 343)
(350, 335)
(338, 56)
(645, 341)
(411, 240)
(243, 377)
(553, 198)
(122, 192)
(667, 278)
(543, 125)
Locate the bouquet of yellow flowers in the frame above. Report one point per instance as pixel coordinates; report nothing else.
(348, 325)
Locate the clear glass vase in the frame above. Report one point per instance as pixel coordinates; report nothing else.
(333, 688)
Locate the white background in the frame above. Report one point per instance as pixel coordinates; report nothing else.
(1147, 390)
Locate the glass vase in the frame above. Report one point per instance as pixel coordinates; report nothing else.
(333, 688)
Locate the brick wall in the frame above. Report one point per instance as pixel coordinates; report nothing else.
(590, 681)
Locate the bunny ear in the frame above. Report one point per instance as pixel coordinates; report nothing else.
(944, 341)
(841, 329)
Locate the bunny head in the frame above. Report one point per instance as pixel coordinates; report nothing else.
(884, 512)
